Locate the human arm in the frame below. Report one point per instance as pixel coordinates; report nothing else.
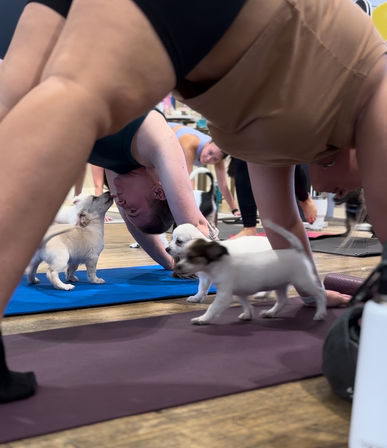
(189, 144)
(152, 244)
(221, 177)
(156, 146)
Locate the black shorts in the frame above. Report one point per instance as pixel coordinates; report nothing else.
(60, 6)
(187, 31)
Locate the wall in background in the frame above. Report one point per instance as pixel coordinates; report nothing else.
(10, 11)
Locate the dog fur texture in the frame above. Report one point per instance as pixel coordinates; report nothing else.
(65, 250)
(206, 200)
(186, 233)
(244, 274)
(68, 214)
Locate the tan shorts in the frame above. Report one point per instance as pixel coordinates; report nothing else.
(293, 93)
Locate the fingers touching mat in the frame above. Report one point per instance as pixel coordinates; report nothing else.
(122, 285)
(98, 372)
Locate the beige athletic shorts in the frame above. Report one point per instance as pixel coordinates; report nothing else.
(291, 97)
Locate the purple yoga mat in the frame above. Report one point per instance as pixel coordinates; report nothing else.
(346, 284)
(103, 371)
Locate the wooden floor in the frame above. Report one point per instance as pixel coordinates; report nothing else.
(302, 414)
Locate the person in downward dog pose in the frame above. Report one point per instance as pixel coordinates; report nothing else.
(199, 150)
(280, 83)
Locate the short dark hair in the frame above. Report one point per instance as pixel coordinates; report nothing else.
(161, 219)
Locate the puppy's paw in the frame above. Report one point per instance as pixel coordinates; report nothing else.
(199, 321)
(66, 287)
(267, 313)
(320, 315)
(195, 299)
(245, 316)
(33, 281)
(98, 280)
(72, 278)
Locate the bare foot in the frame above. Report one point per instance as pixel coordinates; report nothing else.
(108, 219)
(335, 299)
(310, 210)
(246, 231)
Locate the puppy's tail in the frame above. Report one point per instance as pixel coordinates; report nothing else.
(207, 172)
(55, 230)
(293, 240)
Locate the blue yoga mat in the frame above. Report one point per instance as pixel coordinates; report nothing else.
(122, 285)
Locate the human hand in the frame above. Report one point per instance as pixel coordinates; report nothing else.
(236, 212)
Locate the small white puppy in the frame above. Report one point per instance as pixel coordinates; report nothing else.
(244, 274)
(68, 214)
(185, 233)
(65, 250)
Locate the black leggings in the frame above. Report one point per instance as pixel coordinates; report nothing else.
(245, 195)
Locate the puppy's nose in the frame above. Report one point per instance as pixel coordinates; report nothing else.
(168, 249)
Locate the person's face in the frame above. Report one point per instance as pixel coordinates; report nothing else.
(341, 177)
(135, 193)
(211, 154)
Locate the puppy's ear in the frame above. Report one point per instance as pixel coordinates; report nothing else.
(83, 219)
(215, 251)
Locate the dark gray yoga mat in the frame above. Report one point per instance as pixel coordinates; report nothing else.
(103, 371)
(356, 246)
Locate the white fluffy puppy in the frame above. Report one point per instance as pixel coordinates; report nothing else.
(82, 244)
(68, 214)
(185, 233)
(244, 274)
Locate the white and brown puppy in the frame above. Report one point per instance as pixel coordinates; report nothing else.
(186, 233)
(245, 274)
(82, 244)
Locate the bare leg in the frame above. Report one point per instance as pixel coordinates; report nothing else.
(371, 150)
(78, 186)
(79, 108)
(19, 73)
(62, 117)
(280, 207)
(309, 208)
(27, 54)
(97, 173)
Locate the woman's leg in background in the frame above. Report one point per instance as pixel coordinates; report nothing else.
(302, 187)
(245, 197)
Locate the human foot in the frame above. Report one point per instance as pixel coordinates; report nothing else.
(246, 231)
(335, 299)
(309, 209)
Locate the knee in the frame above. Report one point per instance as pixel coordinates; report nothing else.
(74, 95)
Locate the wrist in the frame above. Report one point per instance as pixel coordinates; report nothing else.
(234, 210)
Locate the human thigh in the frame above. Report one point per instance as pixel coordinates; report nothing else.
(100, 48)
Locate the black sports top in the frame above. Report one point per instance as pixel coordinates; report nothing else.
(60, 6)
(187, 31)
(114, 151)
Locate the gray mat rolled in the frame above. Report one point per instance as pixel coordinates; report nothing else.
(346, 284)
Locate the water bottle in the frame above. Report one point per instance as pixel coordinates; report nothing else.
(369, 409)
